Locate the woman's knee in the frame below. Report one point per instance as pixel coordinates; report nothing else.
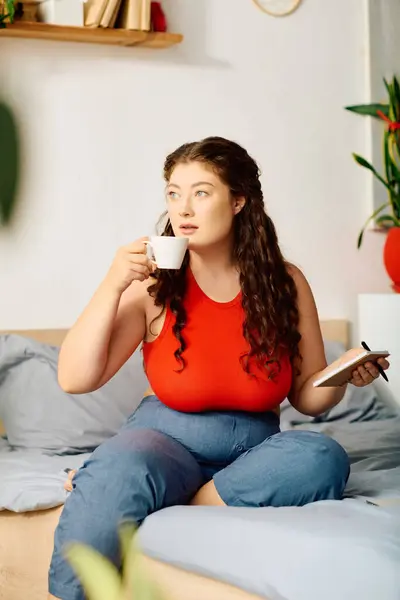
(321, 463)
(292, 468)
(135, 473)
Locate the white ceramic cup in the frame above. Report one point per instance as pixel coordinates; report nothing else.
(168, 251)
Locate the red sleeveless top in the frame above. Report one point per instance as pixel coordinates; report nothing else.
(213, 377)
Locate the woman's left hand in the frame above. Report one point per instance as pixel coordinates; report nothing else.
(367, 373)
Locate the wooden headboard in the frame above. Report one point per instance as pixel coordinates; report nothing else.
(53, 337)
(336, 330)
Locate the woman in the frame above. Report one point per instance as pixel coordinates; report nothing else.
(225, 340)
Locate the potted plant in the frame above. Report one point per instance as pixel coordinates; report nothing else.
(389, 114)
(7, 11)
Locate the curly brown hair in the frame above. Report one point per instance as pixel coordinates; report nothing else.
(269, 294)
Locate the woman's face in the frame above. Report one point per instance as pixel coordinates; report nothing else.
(200, 205)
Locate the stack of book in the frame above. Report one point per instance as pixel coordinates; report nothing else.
(123, 14)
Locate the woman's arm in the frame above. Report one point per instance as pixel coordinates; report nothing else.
(112, 325)
(103, 338)
(303, 396)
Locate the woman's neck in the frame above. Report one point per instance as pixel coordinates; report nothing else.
(216, 266)
(216, 274)
(214, 262)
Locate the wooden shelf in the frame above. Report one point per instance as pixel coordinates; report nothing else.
(88, 35)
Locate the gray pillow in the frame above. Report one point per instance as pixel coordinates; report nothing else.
(358, 404)
(333, 350)
(37, 413)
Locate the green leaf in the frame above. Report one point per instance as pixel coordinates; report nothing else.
(9, 163)
(360, 238)
(392, 98)
(143, 587)
(99, 578)
(7, 12)
(396, 205)
(390, 151)
(135, 576)
(387, 219)
(394, 151)
(392, 171)
(369, 110)
(126, 531)
(10, 9)
(364, 163)
(373, 216)
(396, 89)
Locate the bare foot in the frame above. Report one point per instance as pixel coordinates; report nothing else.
(68, 484)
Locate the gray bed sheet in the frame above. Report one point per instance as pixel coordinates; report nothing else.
(32, 480)
(374, 452)
(335, 550)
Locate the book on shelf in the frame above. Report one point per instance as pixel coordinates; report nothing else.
(138, 15)
(145, 15)
(94, 11)
(110, 14)
(135, 14)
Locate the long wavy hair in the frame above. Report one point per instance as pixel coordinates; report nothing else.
(269, 294)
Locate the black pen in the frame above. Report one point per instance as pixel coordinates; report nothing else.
(381, 371)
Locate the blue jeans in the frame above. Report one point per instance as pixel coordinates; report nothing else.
(161, 457)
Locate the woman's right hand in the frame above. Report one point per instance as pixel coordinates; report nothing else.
(131, 263)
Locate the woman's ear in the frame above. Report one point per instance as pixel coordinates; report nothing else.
(238, 203)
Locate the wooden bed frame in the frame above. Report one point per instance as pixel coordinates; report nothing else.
(26, 540)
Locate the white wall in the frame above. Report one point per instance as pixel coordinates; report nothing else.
(98, 121)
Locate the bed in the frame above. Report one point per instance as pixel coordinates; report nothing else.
(233, 554)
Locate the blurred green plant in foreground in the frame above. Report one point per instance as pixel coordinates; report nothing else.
(9, 163)
(101, 580)
(7, 11)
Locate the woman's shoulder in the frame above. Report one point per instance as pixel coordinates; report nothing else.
(296, 274)
(304, 293)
